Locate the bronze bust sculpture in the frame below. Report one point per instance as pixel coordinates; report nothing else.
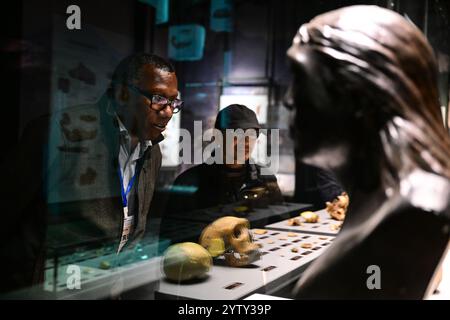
(366, 102)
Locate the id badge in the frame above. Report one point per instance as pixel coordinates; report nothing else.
(128, 223)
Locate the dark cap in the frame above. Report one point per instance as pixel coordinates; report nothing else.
(236, 116)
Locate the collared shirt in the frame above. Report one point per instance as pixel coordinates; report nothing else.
(127, 161)
(128, 158)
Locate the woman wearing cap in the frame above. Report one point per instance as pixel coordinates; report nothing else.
(224, 183)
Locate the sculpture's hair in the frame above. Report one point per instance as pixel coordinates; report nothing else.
(372, 62)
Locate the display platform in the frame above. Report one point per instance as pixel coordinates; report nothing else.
(279, 265)
(326, 225)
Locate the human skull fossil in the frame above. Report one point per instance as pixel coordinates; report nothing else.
(338, 207)
(231, 237)
(186, 261)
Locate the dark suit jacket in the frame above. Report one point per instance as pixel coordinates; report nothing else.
(63, 189)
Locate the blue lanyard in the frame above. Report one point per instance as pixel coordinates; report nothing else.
(130, 185)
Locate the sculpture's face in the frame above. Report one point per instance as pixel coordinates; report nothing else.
(186, 261)
(322, 134)
(231, 237)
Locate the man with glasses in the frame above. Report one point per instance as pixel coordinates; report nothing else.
(143, 97)
(124, 153)
(85, 175)
(113, 184)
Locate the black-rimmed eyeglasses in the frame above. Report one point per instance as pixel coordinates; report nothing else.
(158, 101)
